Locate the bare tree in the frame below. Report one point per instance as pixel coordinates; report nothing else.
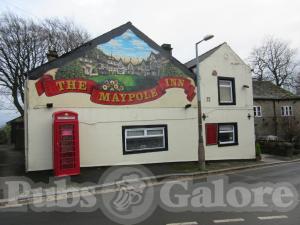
(275, 61)
(6, 102)
(24, 44)
(63, 35)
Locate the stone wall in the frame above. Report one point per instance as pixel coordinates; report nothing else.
(272, 123)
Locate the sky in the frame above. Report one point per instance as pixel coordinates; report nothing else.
(242, 24)
(127, 45)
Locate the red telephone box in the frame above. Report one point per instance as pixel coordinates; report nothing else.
(65, 143)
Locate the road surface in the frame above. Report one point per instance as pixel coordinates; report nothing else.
(281, 173)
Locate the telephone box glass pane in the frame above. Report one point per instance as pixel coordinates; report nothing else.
(67, 147)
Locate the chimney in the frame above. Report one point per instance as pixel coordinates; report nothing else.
(167, 47)
(51, 55)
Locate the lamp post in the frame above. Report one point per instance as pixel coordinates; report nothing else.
(201, 152)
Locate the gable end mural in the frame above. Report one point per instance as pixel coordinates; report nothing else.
(123, 71)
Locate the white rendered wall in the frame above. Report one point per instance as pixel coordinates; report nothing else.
(227, 64)
(101, 128)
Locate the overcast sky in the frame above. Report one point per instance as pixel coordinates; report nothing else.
(242, 24)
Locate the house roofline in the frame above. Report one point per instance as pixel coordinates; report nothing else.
(192, 63)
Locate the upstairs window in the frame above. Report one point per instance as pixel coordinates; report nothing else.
(226, 90)
(257, 111)
(286, 111)
(149, 138)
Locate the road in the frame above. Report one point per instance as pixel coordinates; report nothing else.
(281, 173)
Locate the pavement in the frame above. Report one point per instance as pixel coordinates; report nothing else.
(288, 172)
(12, 164)
(267, 158)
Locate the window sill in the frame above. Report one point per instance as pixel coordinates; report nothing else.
(229, 144)
(144, 151)
(227, 103)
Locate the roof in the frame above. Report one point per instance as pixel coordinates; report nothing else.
(269, 91)
(16, 120)
(192, 63)
(81, 50)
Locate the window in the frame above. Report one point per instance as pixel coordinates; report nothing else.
(257, 111)
(286, 111)
(139, 139)
(227, 133)
(226, 89)
(222, 134)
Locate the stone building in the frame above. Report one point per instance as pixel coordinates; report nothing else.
(276, 111)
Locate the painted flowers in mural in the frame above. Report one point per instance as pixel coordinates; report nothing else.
(126, 59)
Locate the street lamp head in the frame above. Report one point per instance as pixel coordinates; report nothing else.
(207, 37)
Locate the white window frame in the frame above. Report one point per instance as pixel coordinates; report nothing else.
(286, 110)
(230, 84)
(145, 135)
(227, 86)
(234, 132)
(257, 111)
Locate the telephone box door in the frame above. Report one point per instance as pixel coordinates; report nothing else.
(66, 144)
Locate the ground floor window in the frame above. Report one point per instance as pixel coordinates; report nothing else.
(222, 134)
(149, 138)
(227, 134)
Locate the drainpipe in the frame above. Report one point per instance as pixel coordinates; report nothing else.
(275, 118)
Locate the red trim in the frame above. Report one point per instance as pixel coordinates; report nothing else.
(211, 132)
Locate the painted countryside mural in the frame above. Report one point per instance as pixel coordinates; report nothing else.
(125, 70)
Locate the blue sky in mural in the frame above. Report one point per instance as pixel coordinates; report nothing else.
(127, 45)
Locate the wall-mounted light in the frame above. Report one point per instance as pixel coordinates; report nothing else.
(214, 73)
(245, 86)
(204, 116)
(49, 105)
(249, 116)
(187, 106)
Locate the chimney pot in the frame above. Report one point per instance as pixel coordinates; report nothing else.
(167, 47)
(51, 55)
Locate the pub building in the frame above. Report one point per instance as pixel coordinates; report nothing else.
(119, 99)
